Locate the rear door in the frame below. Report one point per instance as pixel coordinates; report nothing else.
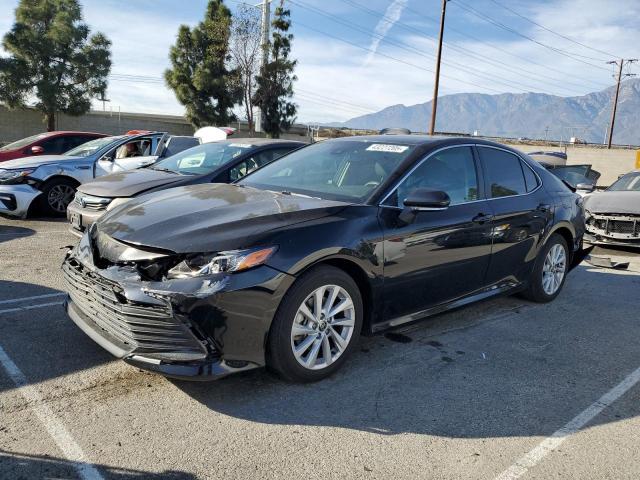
(520, 210)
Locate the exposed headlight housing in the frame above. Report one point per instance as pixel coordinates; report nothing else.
(14, 176)
(212, 263)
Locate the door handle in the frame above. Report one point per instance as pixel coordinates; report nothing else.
(481, 218)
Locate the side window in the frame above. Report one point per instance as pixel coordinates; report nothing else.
(243, 168)
(74, 141)
(53, 146)
(530, 178)
(452, 171)
(503, 173)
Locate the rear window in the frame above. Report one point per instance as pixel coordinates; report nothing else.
(503, 172)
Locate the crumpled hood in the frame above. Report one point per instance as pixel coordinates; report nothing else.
(30, 162)
(206, 218)
(613, 202)
(130, 182)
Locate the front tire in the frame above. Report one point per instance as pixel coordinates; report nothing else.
(56, 196)
(549, 272)
(317, 325)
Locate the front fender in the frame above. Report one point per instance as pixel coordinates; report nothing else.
(79, 172)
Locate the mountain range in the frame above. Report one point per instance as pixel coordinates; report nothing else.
(531, 115)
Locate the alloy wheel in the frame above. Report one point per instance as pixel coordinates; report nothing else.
(323, 327)
(554, 269)
(59, 197)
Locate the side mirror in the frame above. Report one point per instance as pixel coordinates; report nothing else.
(422, 199)
(37, 150)
(586, 187)
(425, 199)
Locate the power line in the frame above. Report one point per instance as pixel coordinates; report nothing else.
(620, 64)
(551, 31)
(559, 81)
(491, 77)
(515, 32)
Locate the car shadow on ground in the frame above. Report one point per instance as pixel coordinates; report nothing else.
(523, 375)
(43, 342)
(17, 465)
(8, 233)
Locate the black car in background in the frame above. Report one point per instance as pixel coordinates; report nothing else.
(217, 162)
(288, 267)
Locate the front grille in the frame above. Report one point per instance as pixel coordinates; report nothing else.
(625, 227)
(138, 328)
(88, 202)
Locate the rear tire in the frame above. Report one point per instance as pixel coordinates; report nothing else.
(56, 196)
(310, 339)
(549, 272)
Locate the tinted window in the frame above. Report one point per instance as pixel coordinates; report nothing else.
(629, 182)
(24, 142)
(204, 158)
(529, 177)
(335, 169)
(452, 171)
(53, 146)
(91, 147)
(503, 173)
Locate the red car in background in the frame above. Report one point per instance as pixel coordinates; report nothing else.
(50, 143)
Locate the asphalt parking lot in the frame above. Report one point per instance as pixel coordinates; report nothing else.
(505, 389)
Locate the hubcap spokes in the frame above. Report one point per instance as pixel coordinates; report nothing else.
(60, 197)
(323, 327)
(554, 269)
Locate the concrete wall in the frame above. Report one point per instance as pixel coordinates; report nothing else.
(17, 124)
(610, 163)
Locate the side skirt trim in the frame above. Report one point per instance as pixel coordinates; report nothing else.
(483, 294)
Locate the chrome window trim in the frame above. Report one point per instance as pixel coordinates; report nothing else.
(417, 165)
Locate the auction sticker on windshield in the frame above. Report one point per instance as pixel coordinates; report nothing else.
(240, 145)
(381, 147)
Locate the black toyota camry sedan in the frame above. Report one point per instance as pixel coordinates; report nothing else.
(290, 265)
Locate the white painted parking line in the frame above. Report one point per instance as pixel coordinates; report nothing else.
(51, 423)
(30, 307)
(555, 440)
(35, 297)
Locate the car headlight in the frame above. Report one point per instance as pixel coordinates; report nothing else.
(212, 263)
(15, 176)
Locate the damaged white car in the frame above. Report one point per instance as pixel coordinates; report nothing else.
(613, 216)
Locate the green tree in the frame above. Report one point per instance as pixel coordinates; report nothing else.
(199, 75)
(275, 82)
(53, 60)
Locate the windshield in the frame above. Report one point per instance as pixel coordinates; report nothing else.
(91, 147)
(629, 182)
(204, 158)
(347, 170)
(24, 142)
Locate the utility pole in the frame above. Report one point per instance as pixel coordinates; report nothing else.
(615, 98)
(434, 103)
(266, 23)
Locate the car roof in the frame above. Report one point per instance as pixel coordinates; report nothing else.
(259, 141)
(422, 140)
(73, 132)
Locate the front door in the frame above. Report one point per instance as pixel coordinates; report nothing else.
(441, 255)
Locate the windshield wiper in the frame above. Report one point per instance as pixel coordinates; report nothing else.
(162, 169)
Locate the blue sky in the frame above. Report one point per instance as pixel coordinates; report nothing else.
(358, 56)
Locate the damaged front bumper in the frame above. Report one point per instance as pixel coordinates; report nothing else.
(197, 328)
(15, 200)
(613, 230)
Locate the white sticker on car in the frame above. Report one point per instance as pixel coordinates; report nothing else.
(381, 147)
(240, 145)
